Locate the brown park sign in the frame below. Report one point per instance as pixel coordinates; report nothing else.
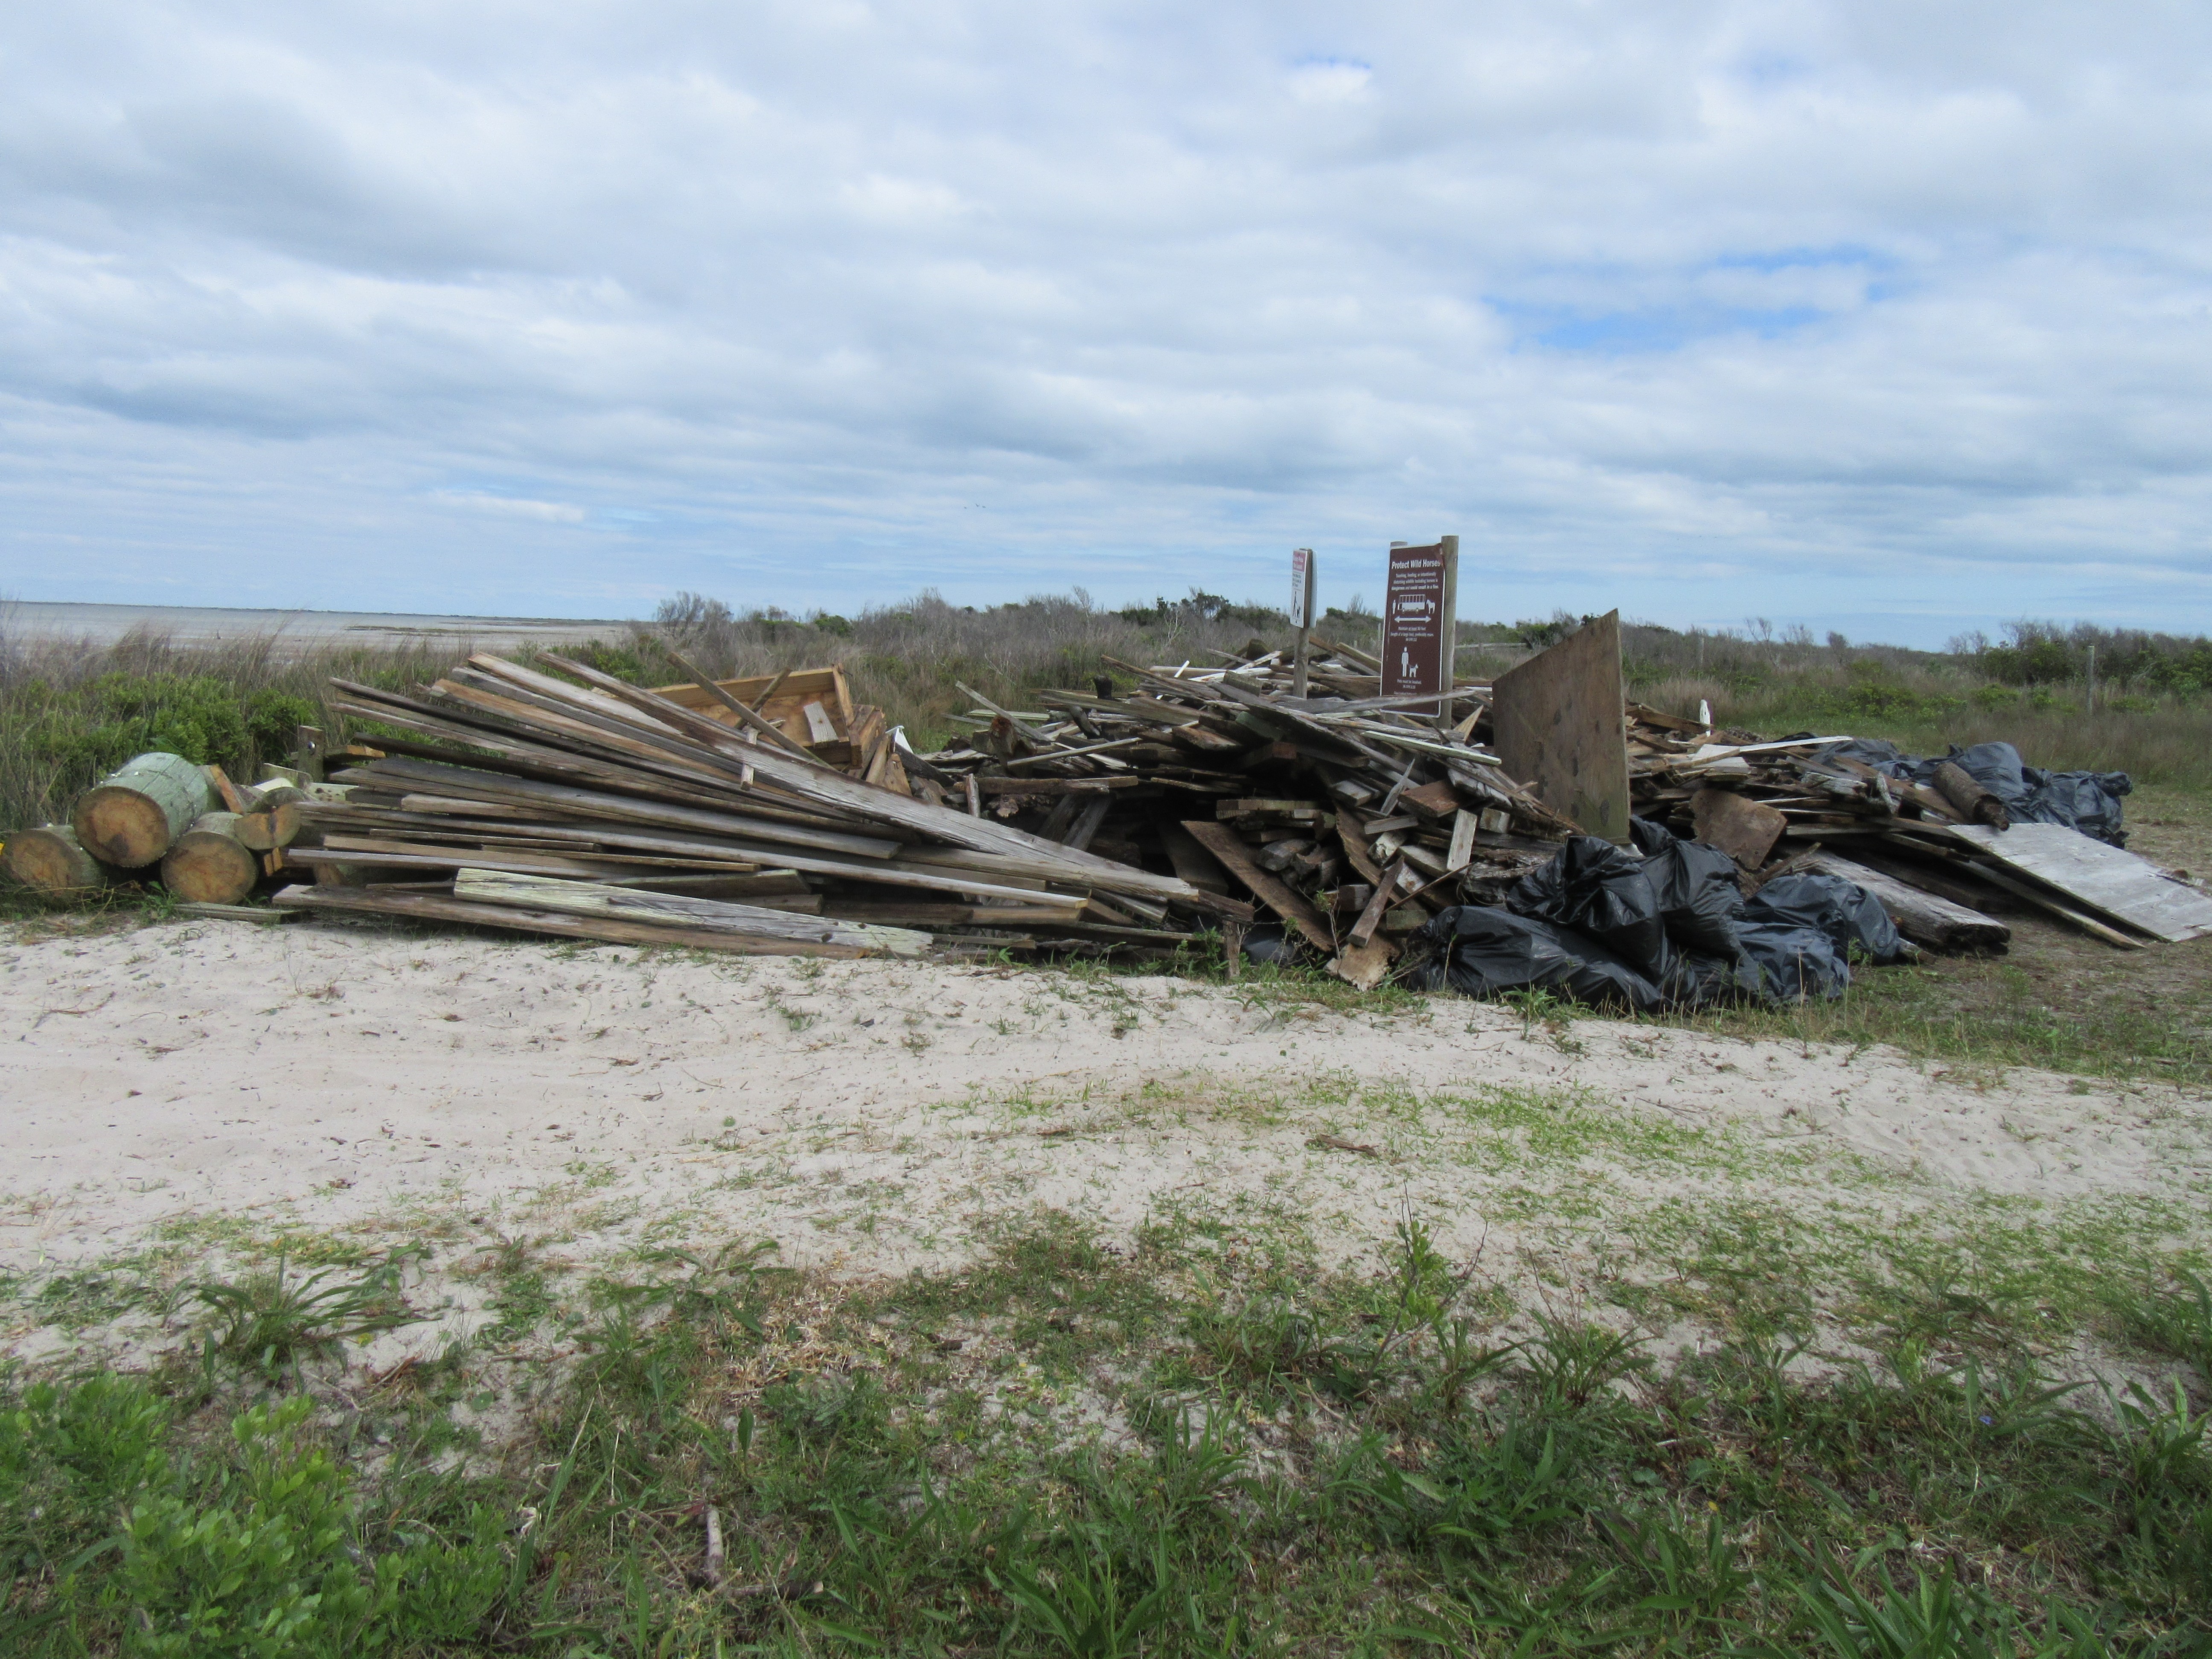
(1417, 622)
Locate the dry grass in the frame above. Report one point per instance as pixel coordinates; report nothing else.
(59, 699)
(71, 708)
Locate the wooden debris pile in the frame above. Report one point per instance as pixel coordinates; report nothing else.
(1939, 854)
(508, 796)
(1749, 796)
(775, 815)
(1350, 816)
(1099, 823)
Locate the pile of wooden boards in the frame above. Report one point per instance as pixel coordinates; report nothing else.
(571, 802)
(1939, 856)
(1348, 815)
(1101, 823)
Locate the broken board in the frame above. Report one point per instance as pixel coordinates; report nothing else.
(2109, 880)
(1746, 829)
(1558, 722)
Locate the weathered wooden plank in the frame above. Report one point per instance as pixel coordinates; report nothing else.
(1560, 728)
(2050, 902)
(1292, 907)
(2105, 880)
(1922, 917)
(439, 906)
(586, 898)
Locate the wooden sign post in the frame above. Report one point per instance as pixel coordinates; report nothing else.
(1302, 612)
(1419, 623)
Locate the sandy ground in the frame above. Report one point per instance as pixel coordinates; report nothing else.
(874, 1116)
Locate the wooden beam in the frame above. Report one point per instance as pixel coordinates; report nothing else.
(1292, 907)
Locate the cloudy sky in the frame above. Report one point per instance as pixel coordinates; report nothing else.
(1889, 318)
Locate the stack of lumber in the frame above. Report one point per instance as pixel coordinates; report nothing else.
(1100, 823)
(571, 802)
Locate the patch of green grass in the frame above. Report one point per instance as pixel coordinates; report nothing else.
(1989, 1013)
(1298, 1459)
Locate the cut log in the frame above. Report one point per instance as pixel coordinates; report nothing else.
(1974, 801)
(1744, 829)
(594, 899)
(133, 816)
(209, 865)
(51, 860)
(1922, 917)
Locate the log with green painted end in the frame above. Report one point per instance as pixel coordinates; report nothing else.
(131, 817)
(51, 860)
(209, 865)
(717, 916)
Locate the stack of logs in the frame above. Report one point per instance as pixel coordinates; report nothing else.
(212, 841)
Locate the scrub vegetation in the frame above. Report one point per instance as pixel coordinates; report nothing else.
(70, 710)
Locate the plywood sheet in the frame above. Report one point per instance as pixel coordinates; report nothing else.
(1560, 728)
(2110, 880)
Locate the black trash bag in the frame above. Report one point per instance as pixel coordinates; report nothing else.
(1698, 895)
(1845, 912)
(1264, 943)
(1594, 888)
(1782, 964)
(1697, 980)
(1649, 836)
(1485, 952)
(2087, 801)
(1886, 758)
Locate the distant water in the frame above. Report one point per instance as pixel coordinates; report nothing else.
(211, 624)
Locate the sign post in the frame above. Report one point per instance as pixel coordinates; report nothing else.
(1302, 608)
(1419, 623)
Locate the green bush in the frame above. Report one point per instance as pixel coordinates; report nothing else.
(207, 721)
(260, 1554)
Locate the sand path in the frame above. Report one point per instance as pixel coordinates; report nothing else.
(868, 1115)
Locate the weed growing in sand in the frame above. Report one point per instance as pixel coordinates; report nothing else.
(269, 1322)
(2176, 1321)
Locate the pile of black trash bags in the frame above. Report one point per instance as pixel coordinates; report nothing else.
(1668, 929)
(2087, 801)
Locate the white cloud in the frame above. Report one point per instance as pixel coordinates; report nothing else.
(1808, 310)
(513, 506)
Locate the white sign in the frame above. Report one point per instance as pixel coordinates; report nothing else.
(1302, 587)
